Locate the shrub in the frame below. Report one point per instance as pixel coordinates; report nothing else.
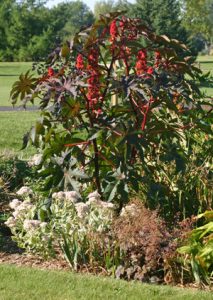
(143, 237)
(120, 109)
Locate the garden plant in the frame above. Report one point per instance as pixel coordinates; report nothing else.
(121, 117)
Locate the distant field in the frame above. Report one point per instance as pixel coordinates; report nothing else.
(13, 125)
(9, 73)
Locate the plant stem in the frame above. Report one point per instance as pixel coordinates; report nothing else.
(97, 168)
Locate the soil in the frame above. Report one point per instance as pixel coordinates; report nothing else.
(11, 254)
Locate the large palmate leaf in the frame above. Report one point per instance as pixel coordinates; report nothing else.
(23, 87)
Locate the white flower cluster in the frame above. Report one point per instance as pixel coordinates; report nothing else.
(129, 210)
(21, 210)
(24, 191)
(69, 215)
(11, 222)
(100, 213)
(31, 224)
(36, 160)
(71, 196)
(83, 209)
(94, 200)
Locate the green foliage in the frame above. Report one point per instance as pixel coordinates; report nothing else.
(163, 16)
(198, 250)
(68, 18)
(13, 173)
(104, 7)
(28, 28)
(198, 17)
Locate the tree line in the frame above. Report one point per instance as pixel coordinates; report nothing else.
(29, 29)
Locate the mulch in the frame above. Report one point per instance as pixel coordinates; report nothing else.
(10, 253)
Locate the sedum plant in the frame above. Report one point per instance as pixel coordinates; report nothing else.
(66, 223)
(118, 105)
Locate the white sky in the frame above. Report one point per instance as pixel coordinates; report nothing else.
(90, 3)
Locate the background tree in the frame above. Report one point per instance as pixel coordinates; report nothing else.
(106, 6)
(68, 18)
(29, 29)
(198, 19)
(163, 16)
(6, 8)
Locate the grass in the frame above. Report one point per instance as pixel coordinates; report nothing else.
(9, 73)
(206, 65)
(20, 283)
(13, 126)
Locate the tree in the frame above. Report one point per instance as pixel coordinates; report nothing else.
(106, 6)
(28, 29)
(69, 17)
(6, 9)
(163, 16)
(198, 18)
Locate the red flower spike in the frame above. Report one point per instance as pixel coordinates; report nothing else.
(122, 25)
(79, 62)
(142, 54)
(150, 70)
(157, 55)
(50, 72)
(141, 63)
(93, 93)
(113, 30)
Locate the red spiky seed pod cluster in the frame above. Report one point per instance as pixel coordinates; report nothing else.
(93, 81)
(80, 62)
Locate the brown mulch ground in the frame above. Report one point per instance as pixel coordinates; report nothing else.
(32, 261)
(11, 254)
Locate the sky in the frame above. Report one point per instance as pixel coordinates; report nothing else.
(89, 3)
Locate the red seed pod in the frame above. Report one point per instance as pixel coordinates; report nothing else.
(50, 72)
(141, 63)
(150, 70)
(79, 62)
(113, 30)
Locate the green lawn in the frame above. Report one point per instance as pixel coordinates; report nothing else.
(18, 283)
(13, 126)
(9, 73)
(206, 64)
